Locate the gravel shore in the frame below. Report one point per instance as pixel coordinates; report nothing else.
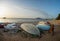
(6, 36)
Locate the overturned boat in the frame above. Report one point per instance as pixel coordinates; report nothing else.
(10, 26)
(30, 28)
(43, 26)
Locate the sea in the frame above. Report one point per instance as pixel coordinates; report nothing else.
(20, 20)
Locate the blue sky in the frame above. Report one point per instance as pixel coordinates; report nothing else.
(30, 8)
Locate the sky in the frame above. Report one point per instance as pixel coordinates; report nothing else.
(29, 8)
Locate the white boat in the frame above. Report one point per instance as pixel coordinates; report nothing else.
(10, 26)
(30, 28)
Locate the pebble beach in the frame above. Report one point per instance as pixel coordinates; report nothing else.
(6, 36)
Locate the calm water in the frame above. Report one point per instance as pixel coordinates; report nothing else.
(18, 20)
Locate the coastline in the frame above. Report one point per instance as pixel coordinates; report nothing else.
(55, 22)
(6, 36)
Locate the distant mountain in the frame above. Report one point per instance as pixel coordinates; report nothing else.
(39, 18)
(4, 17)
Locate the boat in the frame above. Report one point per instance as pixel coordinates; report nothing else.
(30, 28)
(10, 26)
(43, 26)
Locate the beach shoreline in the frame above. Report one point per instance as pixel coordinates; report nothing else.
(5, 36)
